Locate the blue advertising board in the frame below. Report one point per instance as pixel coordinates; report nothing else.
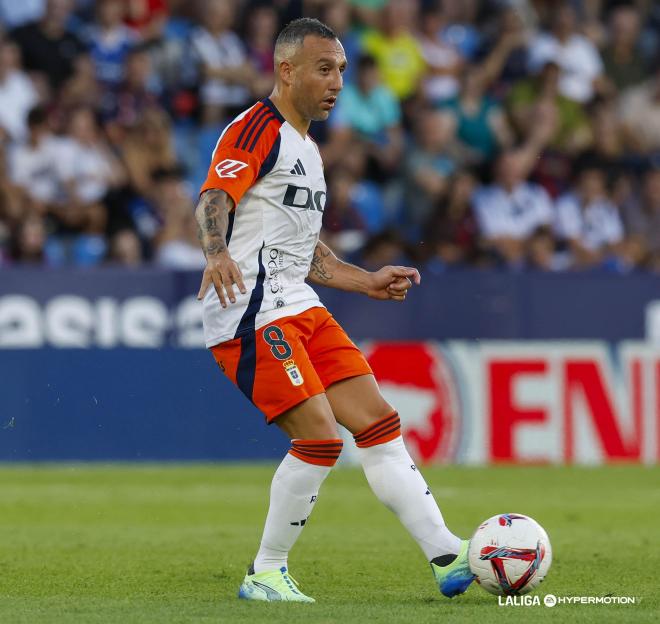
(109, 364)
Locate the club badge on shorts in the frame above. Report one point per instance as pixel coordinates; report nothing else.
(293, 372)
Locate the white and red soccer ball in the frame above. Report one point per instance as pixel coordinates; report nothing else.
(510, 554)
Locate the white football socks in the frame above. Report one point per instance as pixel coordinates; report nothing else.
(398, 484)
(293, 494)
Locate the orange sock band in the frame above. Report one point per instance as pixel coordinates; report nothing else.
(319, 452)
(381, 431)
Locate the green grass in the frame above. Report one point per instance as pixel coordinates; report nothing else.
(170, 544)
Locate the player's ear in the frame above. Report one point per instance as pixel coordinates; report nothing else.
(285, 70)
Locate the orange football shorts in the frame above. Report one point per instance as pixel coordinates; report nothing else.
(287, 361)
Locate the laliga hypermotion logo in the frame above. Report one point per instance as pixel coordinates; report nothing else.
(418, 380)
(497, 555)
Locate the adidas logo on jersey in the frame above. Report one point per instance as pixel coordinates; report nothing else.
(298, 169)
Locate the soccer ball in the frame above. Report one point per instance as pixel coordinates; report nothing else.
(510, 554)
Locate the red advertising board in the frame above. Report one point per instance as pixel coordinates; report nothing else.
(524, 402)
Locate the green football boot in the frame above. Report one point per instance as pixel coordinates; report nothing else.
(454, 576)
(271, 586)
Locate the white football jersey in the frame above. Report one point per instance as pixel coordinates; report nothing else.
(275, 177)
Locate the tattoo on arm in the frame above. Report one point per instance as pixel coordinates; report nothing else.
(318, 269)
(212, 214)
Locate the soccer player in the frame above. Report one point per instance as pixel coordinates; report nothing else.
(259, 217)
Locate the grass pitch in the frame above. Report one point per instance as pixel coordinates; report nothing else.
(170, 543)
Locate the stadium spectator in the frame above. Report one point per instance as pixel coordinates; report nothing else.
(146, 17)
(109, 42)
(623, 60)
(461, 31)
(450, 234)
(261, 32)
(30, 241)
(82, 89)
(386, 246)
(579, 61)
(87, 167)
(573, 133)
(354, 211)
(166, 42)
(148, 148)
(588, 222)
(125, 249)
(369, 113)
(429, 164)
(226, 75)
(503, 57)
(640, 113)
(47, 46)
(542, 253)
(12, 207)
(444, 62)
(509, 211)
(134, 97)
(338, 15)
(177, 246)
(396, 50)
(17, 94)
(608, 139)
(642, 218)
(33, 165)
(87, 171)
(480, 124)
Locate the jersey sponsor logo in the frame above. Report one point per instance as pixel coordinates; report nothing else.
(304, 197)
(275, 265)
(228, 168)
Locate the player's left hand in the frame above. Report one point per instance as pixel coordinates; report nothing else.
(392, 282)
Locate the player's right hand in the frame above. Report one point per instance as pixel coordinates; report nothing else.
(223, 273)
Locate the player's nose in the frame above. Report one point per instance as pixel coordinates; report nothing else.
(337, 83)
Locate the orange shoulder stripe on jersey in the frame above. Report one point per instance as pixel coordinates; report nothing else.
(246, 152)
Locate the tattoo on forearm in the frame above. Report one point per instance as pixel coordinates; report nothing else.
(318, 269)
(212, 216)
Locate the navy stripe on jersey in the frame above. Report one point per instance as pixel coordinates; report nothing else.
(230, 227)
(273, 109)
(256, 297)
(253, 126)
(247, 365)
(249, 125)
(247, 362)
(260, 130)
(271, 159)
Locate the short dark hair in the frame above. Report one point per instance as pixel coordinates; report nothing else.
(294, 32)
(366, 61)
(37, 117)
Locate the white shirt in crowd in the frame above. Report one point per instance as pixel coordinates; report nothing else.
(225, 50)
(595, 225)
(439, 55)
(34, 169)
(179, 254)
(88, 167)
(17, 96)
(514, 215)
(578, 60)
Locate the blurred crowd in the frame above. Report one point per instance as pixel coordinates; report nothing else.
(520, 134)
